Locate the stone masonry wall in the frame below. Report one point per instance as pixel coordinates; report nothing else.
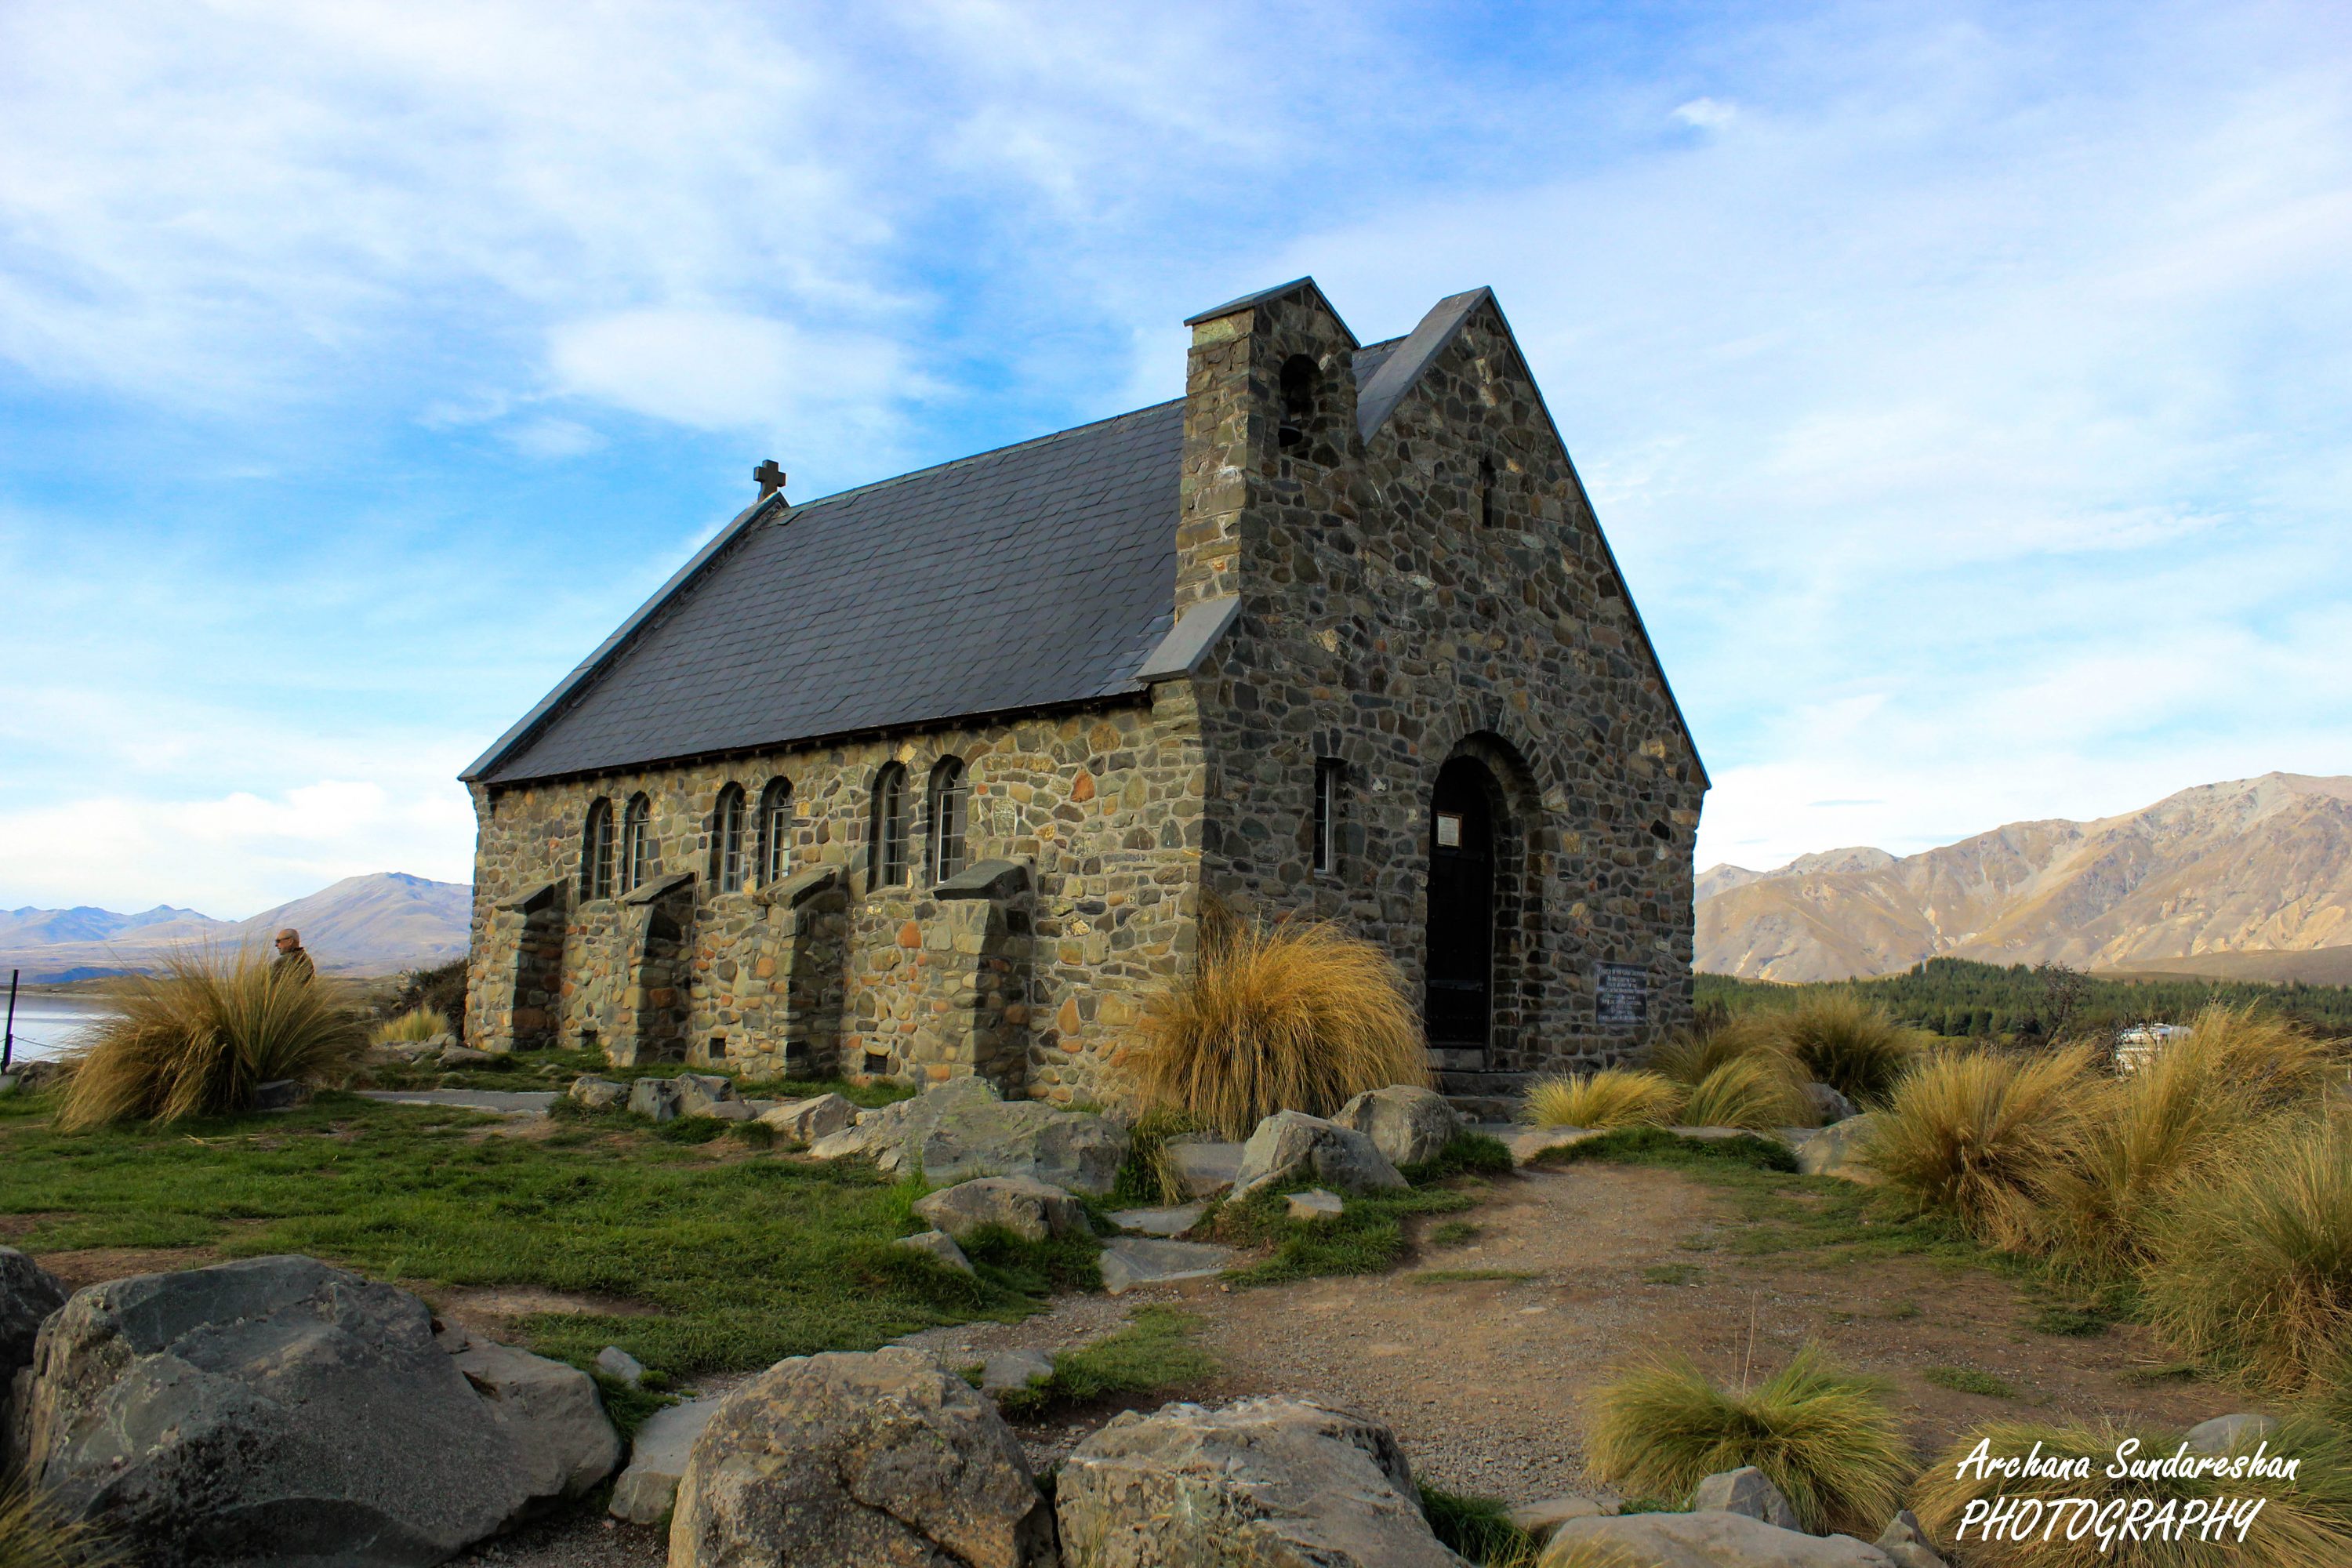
(1102, 806)
(1384, 623)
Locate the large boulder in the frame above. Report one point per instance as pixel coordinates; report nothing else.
(962, 1128)
(655, 1098)
(1837, 1151)
(1411, 1126)
(1290, 1144)
(599, 1093)
(279, 1412)
(847, 1460)
(1710, 1540)
(701, 1093)
(1031, 1210)
(1263, 1483)
(28, 1296)
(1747, 1491)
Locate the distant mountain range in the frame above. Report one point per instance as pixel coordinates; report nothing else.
(378, 924)
(2251, 879)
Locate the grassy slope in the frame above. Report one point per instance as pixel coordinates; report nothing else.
(745, 1256)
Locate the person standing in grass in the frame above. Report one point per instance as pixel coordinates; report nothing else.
(292, 960)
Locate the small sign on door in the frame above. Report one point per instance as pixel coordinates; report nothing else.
(1449, 831)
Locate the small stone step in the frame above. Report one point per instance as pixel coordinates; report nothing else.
(1129, 1261)
(1160, 1222)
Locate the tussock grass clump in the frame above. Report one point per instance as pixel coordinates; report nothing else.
(2251, 1267)
(34, 1534)
(1688, 1056)
(197, 1039)
(1478, 1529)
(1756, 1091)
(1295, 1016)
(1612, 1097)
(2166, 1127)
(1826, 1439)
(1983, 1137)
(2303, 1522)
(1849, 1044)
(412, 1027)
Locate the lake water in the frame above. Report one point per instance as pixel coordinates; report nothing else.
(48, 1025)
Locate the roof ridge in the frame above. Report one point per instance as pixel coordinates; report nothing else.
(1019, 446)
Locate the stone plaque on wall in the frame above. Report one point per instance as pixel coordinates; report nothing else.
(1622, 996)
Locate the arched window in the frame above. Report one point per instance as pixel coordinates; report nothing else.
(949, 815)
(1300, 376)
(596, 852)
(1486, 492)
(727, 841)
(775, 832)
(887, 861)
(637, 851)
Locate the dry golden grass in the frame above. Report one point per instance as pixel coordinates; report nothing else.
(198, 1039)
(1849, 1044)
(2302, 1522)
(1984, 1137)
(1612, 1097)
(2250, 1266)
(33, 1534)
(1756, 1091)
(1295, 1016)
(1826, 1439)
(1689, 1055)
(413, 1026)
(2157, 1132)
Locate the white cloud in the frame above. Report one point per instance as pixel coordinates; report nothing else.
(724, 369)
(1707, 113)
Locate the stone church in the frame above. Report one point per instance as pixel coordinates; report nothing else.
(931, 777)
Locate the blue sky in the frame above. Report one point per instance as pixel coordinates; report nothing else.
(1963, 388)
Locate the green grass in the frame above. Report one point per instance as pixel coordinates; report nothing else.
(1464, 1155)
(1367, 1239)
(728, 1259)
(1453, 1233)
(1479, 1529)
(1656, 1146)
(1466, 1275)
(1968, 1380)
(1672, 1274)
(556, 1069)
(1154, 1353)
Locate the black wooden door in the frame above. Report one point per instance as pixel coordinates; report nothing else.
(1461, 908)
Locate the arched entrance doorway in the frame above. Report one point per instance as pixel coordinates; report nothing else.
(1458, 1006)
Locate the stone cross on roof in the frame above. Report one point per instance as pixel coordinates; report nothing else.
(770, 477)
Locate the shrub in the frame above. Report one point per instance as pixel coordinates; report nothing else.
(1296, 1016)
(1148, 1174)
(1981, 1137)
(418, 1024)
(1826, 1439)
(1756, 1091)
(2151, 1133)
(198, 1039)
(2250, 1267)
(1849, 1044)
(2305, 1521)
(1478, 1529)
(1613, 1097)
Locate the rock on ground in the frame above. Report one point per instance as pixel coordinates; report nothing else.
(962, 1128)
(277, 1410)
(1713, 1539)
(1315, 1204)
(845, 1460)
(701, 1094)
(1830, 1106)
(2226, 1434)
(1031, 1210)
(1291, 1143)
(1010, 1372)
(1129, 1261)
(599, 1093)
(655, 1098)
(1540, 1519)
(1204, 1166)
(1906, 1544)
(620, 1365)
(658, 1456)
(1174, 1221)
(28, 1296)
(1263, 1483)
(1410, 1125)
(937, 1243)
(1747, 1491)
(562, 1436)
(806, 1120)
(1835, 1150)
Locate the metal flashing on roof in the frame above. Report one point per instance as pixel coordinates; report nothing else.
(1402, 366)
(1265, 296)
(1188, 642)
